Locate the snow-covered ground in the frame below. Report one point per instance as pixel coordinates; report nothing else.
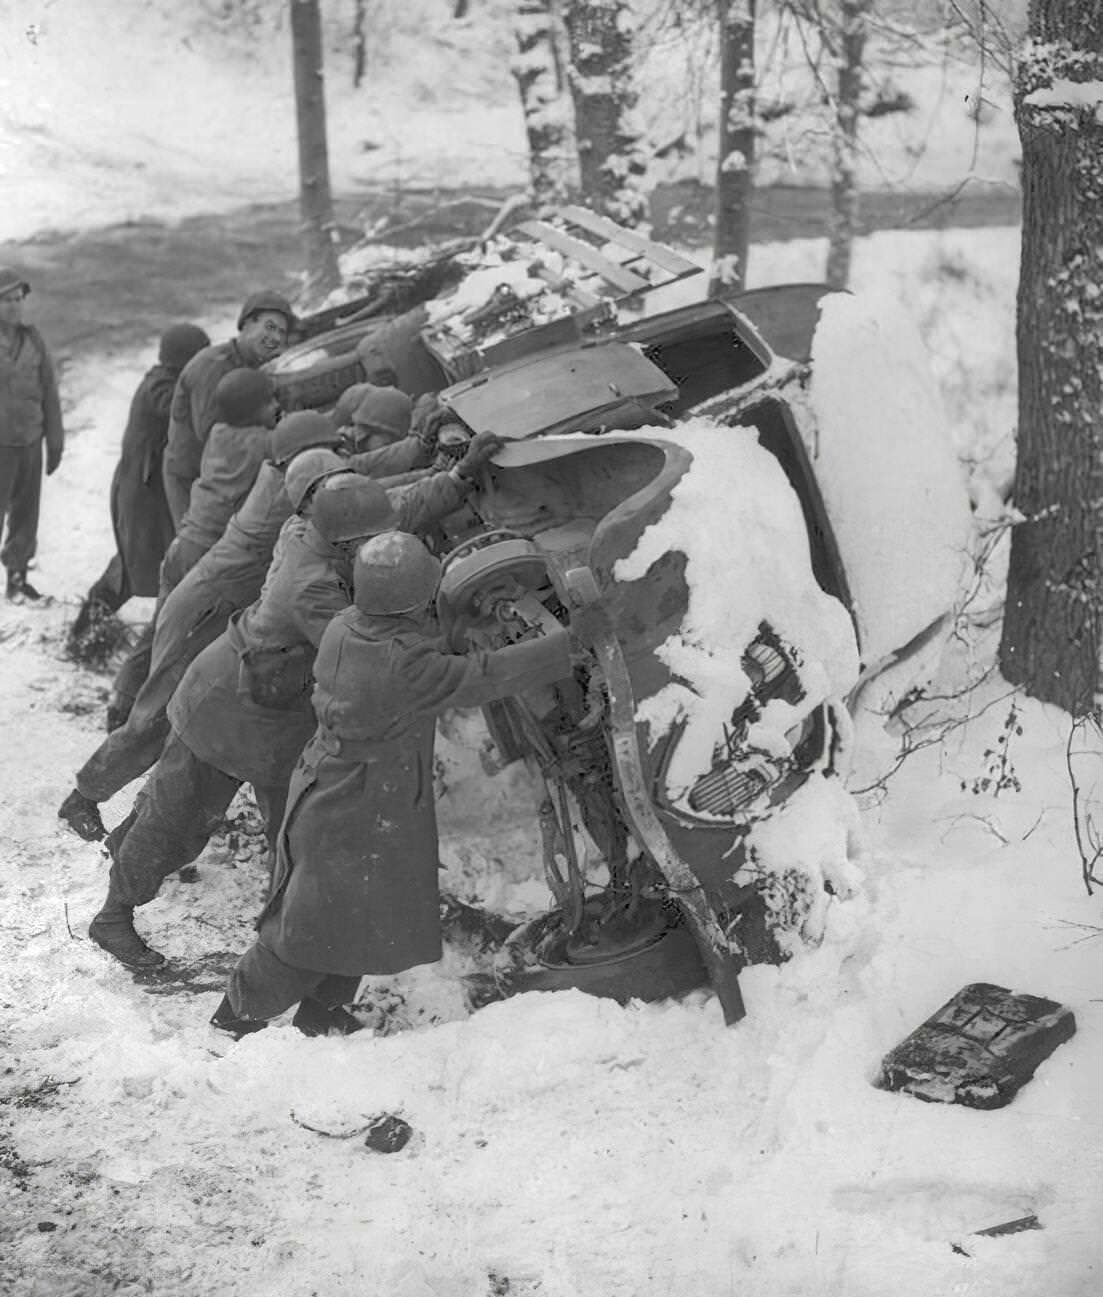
(564, 1146)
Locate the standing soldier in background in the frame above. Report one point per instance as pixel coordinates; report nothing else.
(263, 325)
(30, 414)
(139, 512)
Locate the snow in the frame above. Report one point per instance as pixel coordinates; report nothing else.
(887, 469)
(768, 578)
(564, 1146)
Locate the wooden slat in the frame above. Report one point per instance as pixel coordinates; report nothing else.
(655, 252)
(585, 255)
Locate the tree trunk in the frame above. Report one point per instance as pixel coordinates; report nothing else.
(735, 147)
(534, 69)
(1051, 629)
(844, 162)
(315, 199)
(611, 161)
(359, 43)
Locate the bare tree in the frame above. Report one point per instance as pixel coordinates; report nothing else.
(1052, 619)
(611, 159)
(735, 144)
(843, 222)
(315, 198)
(543, 103)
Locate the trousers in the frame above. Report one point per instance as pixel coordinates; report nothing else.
(20, 497)
(263, 986)
(180, 805)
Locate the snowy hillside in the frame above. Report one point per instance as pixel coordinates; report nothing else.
(114, 110)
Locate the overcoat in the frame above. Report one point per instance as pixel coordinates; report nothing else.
(355, 888)
(215, 710)
(139, 512)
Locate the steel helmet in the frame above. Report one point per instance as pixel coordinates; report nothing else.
(265, 300)
(10, 278)
(351, 507)
(306, 470)
(241, 395)
(393, 574)
(300, 431)
(384, 409)
(347, 402)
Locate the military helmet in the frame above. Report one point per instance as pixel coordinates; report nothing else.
(241, 396)
(265, 300)
(394, 574)
(300, 431)
(179, 343)
(306, 470)
(384, 409)
(351, 507)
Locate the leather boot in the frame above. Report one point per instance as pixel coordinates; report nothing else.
(225, 1019)
(82, 815)
(113, 930)
(316, 1019)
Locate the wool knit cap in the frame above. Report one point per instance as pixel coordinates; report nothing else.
(179, 343)
(242, 394)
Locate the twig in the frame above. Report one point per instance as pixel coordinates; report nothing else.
(73, 936)
(329, 1134)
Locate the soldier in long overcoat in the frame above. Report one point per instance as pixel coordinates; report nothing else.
(355, 888)
(140, 514)
(242, 711)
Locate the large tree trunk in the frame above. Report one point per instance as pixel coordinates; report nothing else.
(735, 145)
(611, 161)
(542, 101)
(315, 199)
(1051, 630)
(844, 162)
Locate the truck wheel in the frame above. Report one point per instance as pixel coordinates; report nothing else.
(664, 963)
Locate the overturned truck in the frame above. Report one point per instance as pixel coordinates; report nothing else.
(738, 538)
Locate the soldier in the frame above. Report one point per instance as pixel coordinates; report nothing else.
(265, 320)
(355, 889)
(140, 514)
(242, 711)
(227, 579)
(30, 418)
(237, 445)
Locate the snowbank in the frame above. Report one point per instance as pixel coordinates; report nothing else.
(887, 469)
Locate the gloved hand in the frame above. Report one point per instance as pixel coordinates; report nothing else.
(483, 446)
(588, 624)
(53, 459)
(426, 419)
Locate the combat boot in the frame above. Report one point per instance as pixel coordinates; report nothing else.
(225, 1019)
(82, 815)
(19, 587)
(315, 1019)
(113, 930)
